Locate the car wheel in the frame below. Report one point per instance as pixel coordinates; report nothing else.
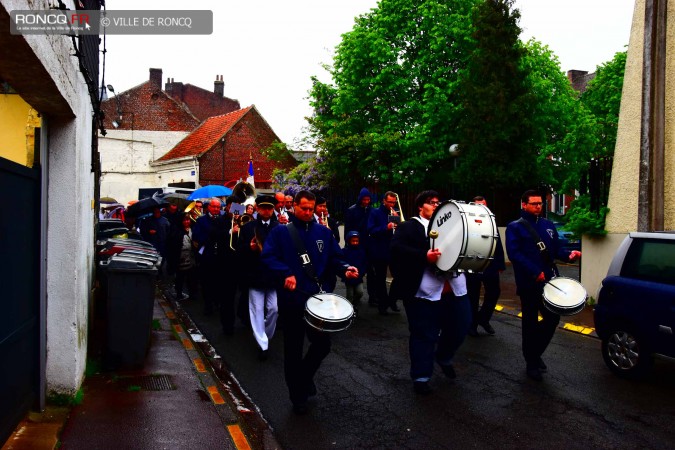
(625, 354)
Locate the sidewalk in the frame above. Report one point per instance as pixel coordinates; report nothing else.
(184, 396)
(174, 401)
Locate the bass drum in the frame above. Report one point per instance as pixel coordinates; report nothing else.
(329, 312)
(564, 296)
(467, 236)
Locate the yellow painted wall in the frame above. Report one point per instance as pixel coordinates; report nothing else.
(18, 121)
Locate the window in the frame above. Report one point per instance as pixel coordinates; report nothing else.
(651, 260)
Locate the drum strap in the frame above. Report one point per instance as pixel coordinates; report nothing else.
(306, 263)
(543, 251)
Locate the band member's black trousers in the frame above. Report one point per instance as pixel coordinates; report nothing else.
(210, 272)
(379, 282)
(536, 335)
(299, 370)
(490, 282)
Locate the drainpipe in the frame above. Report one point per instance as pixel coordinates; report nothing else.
(651, 192)
(196, 167)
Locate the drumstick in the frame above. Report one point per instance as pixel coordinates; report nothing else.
(433, 234)
(308, 294)
(549, 283)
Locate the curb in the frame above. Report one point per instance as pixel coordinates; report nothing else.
(568, 326)
(244, 421)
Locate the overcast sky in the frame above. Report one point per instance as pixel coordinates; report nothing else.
(267, 50)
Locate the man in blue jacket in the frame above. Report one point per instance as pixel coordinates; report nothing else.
(282, 259)
(356, 219)
(380, 231)
(533, 267)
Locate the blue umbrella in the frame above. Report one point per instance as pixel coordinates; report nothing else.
(212, 190)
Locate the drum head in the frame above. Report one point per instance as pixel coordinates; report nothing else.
(329, 307)
(568, 296)
(451, 241)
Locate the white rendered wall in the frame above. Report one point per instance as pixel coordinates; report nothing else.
(125, 161)
(70, 216)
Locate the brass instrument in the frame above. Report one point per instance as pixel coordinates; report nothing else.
(324, 221)
(244, 194)
(399, 214)
(400, 209)
(193, 212)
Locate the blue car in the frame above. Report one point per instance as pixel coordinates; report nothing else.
(568, 240)
(635, 314)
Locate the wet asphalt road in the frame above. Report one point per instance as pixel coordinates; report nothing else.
(365, 397)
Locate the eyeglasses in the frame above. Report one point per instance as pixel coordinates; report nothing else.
(535, 203)
(436, 203)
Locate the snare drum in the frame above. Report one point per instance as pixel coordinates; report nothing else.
(564, 296)
(329, 312)
(467, 236)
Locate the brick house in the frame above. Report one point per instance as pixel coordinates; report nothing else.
(145, 122)
(220, 148)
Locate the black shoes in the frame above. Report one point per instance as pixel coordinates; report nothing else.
(395, 308)
(534, 373)
(542, 367)
(422, 387)
(488, 328)
(449, 371)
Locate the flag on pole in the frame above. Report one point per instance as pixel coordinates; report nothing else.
(250, 179)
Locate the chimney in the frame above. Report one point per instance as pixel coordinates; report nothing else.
(578, 79)
(156, 78)
(219, 86)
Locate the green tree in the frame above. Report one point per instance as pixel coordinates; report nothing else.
(597, 136)
(561, 127)
(496, 129)
(392, 110)
(602, 99)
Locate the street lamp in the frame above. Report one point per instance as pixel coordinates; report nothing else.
(118, 122)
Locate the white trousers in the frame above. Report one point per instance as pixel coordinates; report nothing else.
(263, 325)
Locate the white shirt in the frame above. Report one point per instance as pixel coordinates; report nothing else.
(432, 283)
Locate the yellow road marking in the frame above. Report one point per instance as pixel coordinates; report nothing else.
(578, 328)
(187, 343)
(238, 437)
(499, 307)
(178, 328)
(215, 395)
(199, 364)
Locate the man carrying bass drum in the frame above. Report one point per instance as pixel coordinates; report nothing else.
(533, 266)
(436, 303)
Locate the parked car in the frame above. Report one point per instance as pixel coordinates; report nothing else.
(568, 240)
(635, 314)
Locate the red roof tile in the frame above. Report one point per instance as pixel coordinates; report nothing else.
(204, 137)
